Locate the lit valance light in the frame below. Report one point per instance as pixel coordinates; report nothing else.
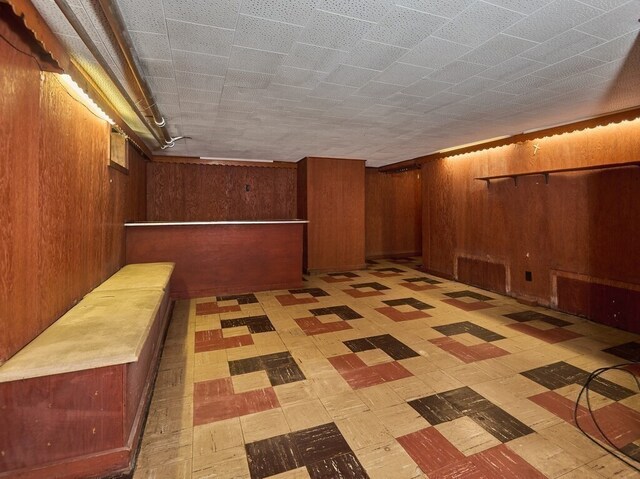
(85, 99)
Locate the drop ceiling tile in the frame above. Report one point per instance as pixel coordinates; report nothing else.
(402, 100)
(569, 67)
(434, 53)
(169, 111)
(614, 49)
(512, 69)
(197, 107)
(611, 70)
(576, 82)
(403, 74)
(157, 68)
(296, 13)
(197, 81)
(334, 31)
(562, 47)
(378, 89)
(199, 38)
(474, 85)
(203, 96)
(342, 112)
(222, 14)
(143, 15)
(498, 49)
(332, 91)
(251, 60)
(321, 103)
(241, 94)
(442, 8)
(374, 55)
(425, 88)
(199, 63)
(151, 45)
(351, 76)
(405, 27)
(441, 99)
(478, 23)
(167, 98)
(372, 10)
(313, 57)
(160, 84)
(605, 4)
(553, 19)
(299, 77)
(522, 85)
(287, 92)
(522, 6)
(236, 106)
(614, 23)
(54, 17)
(457, 71)
(245, 79)
(265, 34)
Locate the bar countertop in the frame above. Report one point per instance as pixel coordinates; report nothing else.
(205, 223)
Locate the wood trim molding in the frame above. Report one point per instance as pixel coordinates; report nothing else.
(56, 55)
(617, 117)
(197, 161)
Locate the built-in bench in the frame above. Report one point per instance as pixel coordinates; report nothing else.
(72, 402)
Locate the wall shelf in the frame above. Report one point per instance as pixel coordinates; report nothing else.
(546, 173)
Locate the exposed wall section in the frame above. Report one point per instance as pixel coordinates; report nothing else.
(62, 215)
(580, 223)
(393, 212)
(189, 192)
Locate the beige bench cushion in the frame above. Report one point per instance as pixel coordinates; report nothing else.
(139, 276)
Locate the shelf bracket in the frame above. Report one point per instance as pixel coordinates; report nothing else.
(488, 180)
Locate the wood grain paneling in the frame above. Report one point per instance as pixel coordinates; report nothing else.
(61, 224)
(188, 192)
(221, 259)
(580, 222)
(486, 274)
(393, 212)
(136, 201)
(335, 210)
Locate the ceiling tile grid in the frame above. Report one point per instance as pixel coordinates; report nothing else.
(382, 80)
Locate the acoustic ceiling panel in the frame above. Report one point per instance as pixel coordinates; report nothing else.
(383, 80)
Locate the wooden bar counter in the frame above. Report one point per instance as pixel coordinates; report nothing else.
(221, 257)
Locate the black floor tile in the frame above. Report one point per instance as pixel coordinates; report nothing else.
(435, 409)
(346, 274)
(255, 324)
(272, 456)
(315, 292)
(423, 280)
(629, 351)
(285, 374)
(244, 366)
(468, 294)
(343, 312)
(500, 424)
(320, 443)
(466, 400)
(357, 345)
(524, 316)
(394, 348)
(390, 270)
(470, 328)
(632, 450)
(610, 389)
(344, 466)
(376, 286)
(415, 303)
(240, 298)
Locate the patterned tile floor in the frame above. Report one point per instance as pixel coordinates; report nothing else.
(384, 373)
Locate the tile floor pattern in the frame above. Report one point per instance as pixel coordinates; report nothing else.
(385, 373)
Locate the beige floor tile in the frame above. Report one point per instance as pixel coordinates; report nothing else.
(262, 425)
(343, 405)
(362, 430)
(375, 356)
(303, 415)
(250, 381)
(411, 388)
(571, 392)
(163, 449)
(468, 339)
(469, 374)
(379, 396)
(175, 470)
(169, 415)
(583, 472)
(401, 419)
(226, 464)
(418, 365)
(216, 436)
(300, 473)
(329, 383)
(242, 352)
(207, 322)
(534, 416)
(573, 442)
(440, 381)
(388, 460)
(293, 393)
(544, 455)
(610, 467)
(467, 436)
(510, 389)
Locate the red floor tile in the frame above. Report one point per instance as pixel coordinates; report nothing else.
(554, 335)
(312, 326)
(362, 378)
(419, 287)
(391, 371)
(259, 400)
(475, 306)
(486, 351)
(209, 389)
(455, 348)
(332, 279)
(558, 405)
(212, 340)
(392, 313)
(502, 462)
(463, 469)
(620, 423)
(356, 293)
(213, 308)
(213, 410)
(430, 450)
(347, 362)
(382, 274)
(290, 300)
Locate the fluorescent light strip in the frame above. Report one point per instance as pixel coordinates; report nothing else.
(86, 99)
(234, 159)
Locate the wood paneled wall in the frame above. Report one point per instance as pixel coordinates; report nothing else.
(393, 213)
(136, 191)
(188, 192)
(585, 223)
(334, 205)
(61, 221)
